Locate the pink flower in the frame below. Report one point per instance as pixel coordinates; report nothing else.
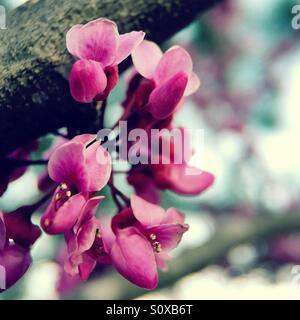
(99, 48)
(172, 75)
(178, 177)
(19, 227)
(17, 234)
(81, 168)
(144, 236)
(84, 245)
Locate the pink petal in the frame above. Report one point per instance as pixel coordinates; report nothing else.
(73, 39)
(173, 216)
(148, 214)
(87, 80)
(70, 268)
(175, 60)
(193, 84)
(67, 165)
(146, 58)
(61, 221)
(168, 235)
(165, 98)
(86, 235)
(189, 184)
(88, 211)
(20, 228)
(84, 139)
(112, 74)
(16, 261)
(86, 267)
(144, 186)
(98, 166)
(108, 237)
(133, 257)
(98, 40)
(97, 162)
(2, 231)
(161, 260)
(123, 219)
(128, 42)
(44, 182)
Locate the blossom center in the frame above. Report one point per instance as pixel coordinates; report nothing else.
(62, 195)
(156, 245)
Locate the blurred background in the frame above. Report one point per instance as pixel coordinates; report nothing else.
(247, 56)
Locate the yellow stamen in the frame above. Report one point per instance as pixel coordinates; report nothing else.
(63, 186)
(152, 236)
(157, 247)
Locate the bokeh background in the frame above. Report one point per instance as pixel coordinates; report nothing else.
(247, 56)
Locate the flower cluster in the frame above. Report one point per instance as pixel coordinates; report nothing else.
(138, 239)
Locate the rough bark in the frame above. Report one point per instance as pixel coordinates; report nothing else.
(34, 93)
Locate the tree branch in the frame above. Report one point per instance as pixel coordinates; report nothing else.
(193, 260)
(34, 93)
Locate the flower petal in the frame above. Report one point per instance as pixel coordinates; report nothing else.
(193, 84)
(175, 60)
(144, 186)
(88, 211)
(112, 75)
(67, 165)
(146, 58)
(84, 139)
(108, 237)
(133, 257)
(20, 228)
(62, 220)
(87, 80)
(173, 216)
(86, 267)
(98, 164)
(165, 98)
(188, 180)
(161, 260)
(128, 42)
(16, 261)
(148, 214)
(86, 235)
(168, 235)
(98, 40)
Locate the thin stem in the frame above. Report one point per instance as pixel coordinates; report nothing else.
(102, 113)
(120, 172)
(122, 196)
(92, 142)
(118, 193)
(116, 200)
(23, 163)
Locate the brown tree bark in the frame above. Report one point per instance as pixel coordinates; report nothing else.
(34, 93)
